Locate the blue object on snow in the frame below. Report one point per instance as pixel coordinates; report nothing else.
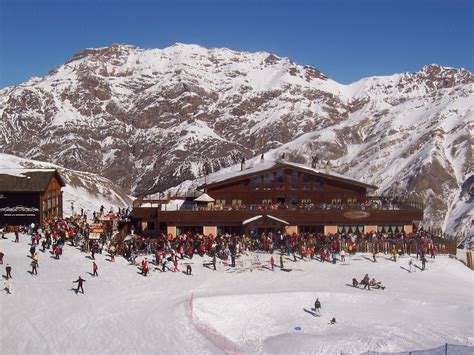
(297, 328)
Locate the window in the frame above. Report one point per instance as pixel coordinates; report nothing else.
(268, 181)
(236, 202)
(336, 201)
(293, 180)
(267, 202)
(220, 202)
(256, 183)
(306, 202)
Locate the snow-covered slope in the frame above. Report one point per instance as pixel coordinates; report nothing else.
(259, 312)
(86, 190)
(150, 119)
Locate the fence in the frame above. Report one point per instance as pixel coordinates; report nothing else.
(446, 349)
(210, 333)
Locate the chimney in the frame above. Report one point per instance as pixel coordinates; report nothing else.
(242, 164)
(328, 165)
(314, 162)
(262, 159)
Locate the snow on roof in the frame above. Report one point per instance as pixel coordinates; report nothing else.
(204, 198)
(278, 219)
(220, 177)
(250, 220)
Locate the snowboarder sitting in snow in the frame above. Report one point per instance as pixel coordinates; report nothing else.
(188, 270)
(376, 284)
(355, 283)
(333, 321)
(317, 307)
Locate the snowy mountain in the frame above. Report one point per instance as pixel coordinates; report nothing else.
(149, 119)
(88, 191)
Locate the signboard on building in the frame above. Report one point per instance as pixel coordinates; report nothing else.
(19, 208)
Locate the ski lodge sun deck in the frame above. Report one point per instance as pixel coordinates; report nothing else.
(276, 196)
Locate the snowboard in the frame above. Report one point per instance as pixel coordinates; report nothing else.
(360, 288)
(287, 270)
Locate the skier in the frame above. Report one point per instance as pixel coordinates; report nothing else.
(317, 308)
(423, 263)
(334, 256)
(410, 263)
(79, 282)
(32, 249)
(272, 262)
(373, 256)
(8, 269)
(17, 236)
(188, 270)
(94, 269)
(281, 260)
(1, 258)
(214, 261)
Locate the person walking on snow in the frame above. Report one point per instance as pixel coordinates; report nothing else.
(94, 269)
(317, 308)
(343, 255)
(34, 265)
(79, 282)
(281, 260)
(8, 269)
(272, 262)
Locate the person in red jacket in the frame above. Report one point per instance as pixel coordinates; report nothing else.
(145, 267)
(272, 262)
(94, 269)
(57, 252)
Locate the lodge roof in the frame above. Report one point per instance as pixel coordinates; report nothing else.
(263, 167)
(27, 180)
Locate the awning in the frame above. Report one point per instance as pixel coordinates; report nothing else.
(253, 219)
(204, 198)
(250, 220)
(278, 220)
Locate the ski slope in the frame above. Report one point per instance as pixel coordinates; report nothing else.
(124, 312)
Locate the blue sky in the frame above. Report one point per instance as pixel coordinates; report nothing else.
(347, 40)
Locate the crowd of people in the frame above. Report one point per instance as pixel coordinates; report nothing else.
(167, 251)
(312, 246)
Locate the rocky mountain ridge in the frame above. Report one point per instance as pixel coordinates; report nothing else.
(150, 119)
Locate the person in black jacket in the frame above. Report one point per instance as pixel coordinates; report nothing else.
(79, 282)
(8, 269)
(317, 307)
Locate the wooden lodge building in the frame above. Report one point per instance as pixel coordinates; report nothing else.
(276, 196)
(30, 196)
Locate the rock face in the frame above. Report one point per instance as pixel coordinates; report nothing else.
(149, 119)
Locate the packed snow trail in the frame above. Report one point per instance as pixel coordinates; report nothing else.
(124, 312)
